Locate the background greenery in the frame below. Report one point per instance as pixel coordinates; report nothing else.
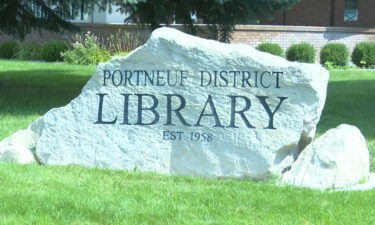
(273, 48)
(335, 53)
(81, 49)
(364, 54)
(301, 52)
(19, 17)
(32, 194)
(8, 49)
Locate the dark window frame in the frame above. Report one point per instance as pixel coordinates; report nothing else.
(351, 4)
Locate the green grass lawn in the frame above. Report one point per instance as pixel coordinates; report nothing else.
(32, 194)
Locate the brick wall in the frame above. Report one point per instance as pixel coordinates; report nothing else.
(287, 35)
(306, 12)
(246, 34)
(323, 13)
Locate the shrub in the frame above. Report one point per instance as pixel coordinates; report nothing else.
(335, 53)
(86, 52)
(364, 54)
(120, 41)
(330, 66)
(29, 51)
(121, 54)
(8, 49)
(272, 48)
(302, 52)
(52, 50)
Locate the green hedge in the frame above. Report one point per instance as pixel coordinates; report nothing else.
(271, 48)
(8, 49)
(29, 51)
(302, 52)
(364, 54)
(52, 51)
(335, 54)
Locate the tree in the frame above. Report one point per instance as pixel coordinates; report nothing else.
(19, 17)
(220, 15)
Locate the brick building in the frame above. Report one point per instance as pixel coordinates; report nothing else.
(317, 22)
(327, 13)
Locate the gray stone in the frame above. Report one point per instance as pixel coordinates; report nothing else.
(363, 185)
(247, 124)
(26, 138)
(338, 159)
(17, 154)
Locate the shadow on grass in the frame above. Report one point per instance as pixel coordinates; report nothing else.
(36, 91)
(351, 102)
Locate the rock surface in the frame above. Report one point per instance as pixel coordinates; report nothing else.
(17, 154)
(18, 147)
(225, 111)
(338, 159)
(364, 185)
(26, 138)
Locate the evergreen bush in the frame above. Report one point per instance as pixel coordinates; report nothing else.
(302, 52)
(335, 53)
(364, 54)
(29, 51)
(8, 49)
(271, 48)
(52, 51)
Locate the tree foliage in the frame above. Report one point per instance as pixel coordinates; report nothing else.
(220, 15)
(19, 17)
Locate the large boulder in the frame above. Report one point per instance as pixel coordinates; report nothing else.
(338, 159)
(184, 105)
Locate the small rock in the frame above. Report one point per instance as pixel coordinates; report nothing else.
(364, 185)
(18, 154)
(337, 159)
(25, 138)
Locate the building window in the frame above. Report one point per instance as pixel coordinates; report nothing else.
(351, 4)
(351, 11)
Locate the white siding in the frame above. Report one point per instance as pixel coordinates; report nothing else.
(107, 17)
